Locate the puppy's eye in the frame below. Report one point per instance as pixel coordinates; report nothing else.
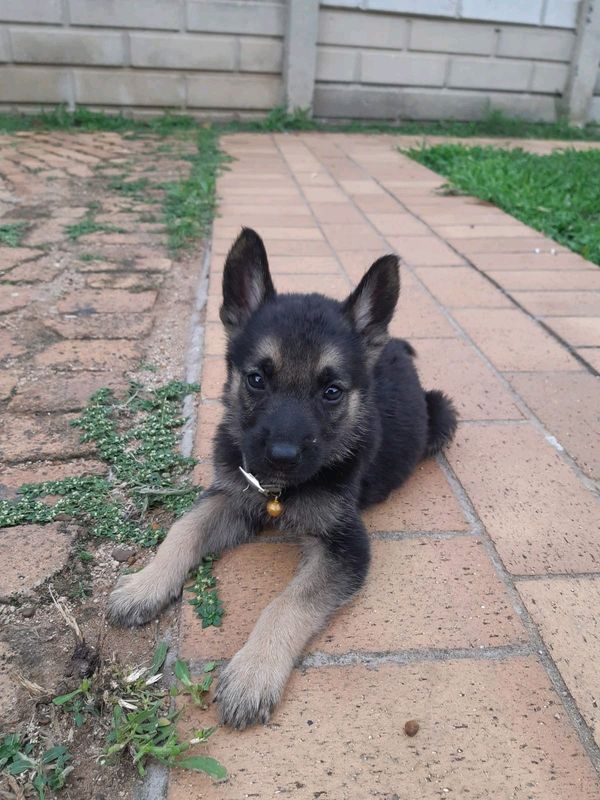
(333, 393)
(256, 381)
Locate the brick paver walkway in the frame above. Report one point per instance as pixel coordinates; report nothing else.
(480, 616)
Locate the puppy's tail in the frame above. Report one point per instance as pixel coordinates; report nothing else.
(442, 421)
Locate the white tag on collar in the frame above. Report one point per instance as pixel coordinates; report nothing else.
(252, 480)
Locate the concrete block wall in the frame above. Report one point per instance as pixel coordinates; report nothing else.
(399, 65)
(210, 57)
(595, 104)
(375, 59)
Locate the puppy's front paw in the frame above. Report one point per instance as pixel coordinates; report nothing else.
(248, 690)
(136, 599)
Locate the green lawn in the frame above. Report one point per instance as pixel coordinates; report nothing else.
(558, 194)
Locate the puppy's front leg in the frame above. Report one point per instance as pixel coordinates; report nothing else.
(210, 526)
(331, 572)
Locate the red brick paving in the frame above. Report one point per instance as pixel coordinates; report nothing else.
(454, 549)
(487, 729)
(479, 618)
(76, 314)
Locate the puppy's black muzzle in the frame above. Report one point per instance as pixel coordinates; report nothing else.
(283, 455)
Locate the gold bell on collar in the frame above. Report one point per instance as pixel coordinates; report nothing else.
(274, 507)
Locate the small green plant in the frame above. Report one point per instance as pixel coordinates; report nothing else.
(11, 234)
(136, 438)
(206, 601)
(88, 224)
(494, 124)
(144, 727)
(88, 257)
(134, 189)
(80, 702)
(135, 710)
(278, 119)
(31, 767)
(197, 691)
(85, 556)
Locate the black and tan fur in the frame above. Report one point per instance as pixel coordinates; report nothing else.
(322, 404)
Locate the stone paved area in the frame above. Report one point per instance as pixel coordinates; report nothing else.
(480, 616)
(78, 311)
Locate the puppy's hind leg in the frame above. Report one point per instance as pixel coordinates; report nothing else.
(209, 527)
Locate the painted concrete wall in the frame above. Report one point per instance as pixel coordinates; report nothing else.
(207, 56)
(385, 59)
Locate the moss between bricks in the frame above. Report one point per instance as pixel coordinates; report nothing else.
(11, 234)
(146, 482)
(136, 439)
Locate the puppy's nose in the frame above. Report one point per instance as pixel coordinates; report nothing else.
(283, 454)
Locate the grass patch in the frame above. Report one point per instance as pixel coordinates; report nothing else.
(189, 206)
(82, 119)
(131, 710)
(133, 189)
(494, 124)
(11, 234)
(135, 438)
(557, 194)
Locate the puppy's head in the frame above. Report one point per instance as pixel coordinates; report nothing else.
(299, 365)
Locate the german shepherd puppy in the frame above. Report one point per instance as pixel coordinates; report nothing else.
(324, 415)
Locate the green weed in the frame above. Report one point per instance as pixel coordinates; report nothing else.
(495, 123)
(32, 768)
(85, 120)
(197, 691)
(133, 189)
(206, 601)
(85, 556)
(558, 194)
(279, 120)
(11, 234)
(89, 225)
(134, 711)
(136, 440)
(189, 206)
(80, 702)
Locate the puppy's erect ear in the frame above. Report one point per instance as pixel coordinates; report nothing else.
(371, 305)
(247, 282)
